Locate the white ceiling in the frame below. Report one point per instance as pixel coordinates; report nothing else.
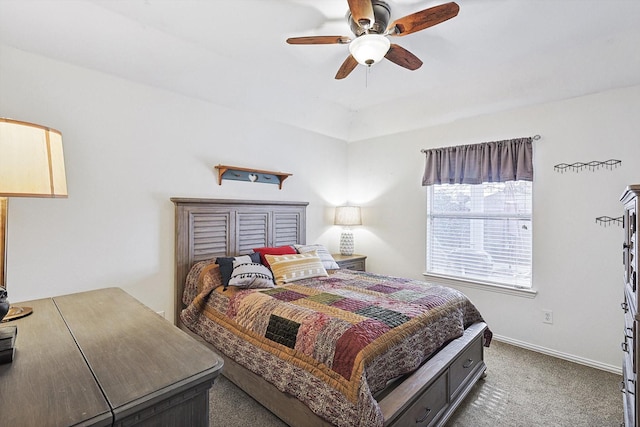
(495, 55)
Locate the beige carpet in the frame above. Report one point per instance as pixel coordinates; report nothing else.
(522, 389)
(525, 388)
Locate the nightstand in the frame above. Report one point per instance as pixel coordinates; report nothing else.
(351, 262)
(101, 358)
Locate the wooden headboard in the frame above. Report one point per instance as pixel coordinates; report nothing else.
(208, 228)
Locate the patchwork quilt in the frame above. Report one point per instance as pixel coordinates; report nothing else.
(332, 342)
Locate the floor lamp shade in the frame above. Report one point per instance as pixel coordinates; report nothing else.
(347, 216)
(31, 165)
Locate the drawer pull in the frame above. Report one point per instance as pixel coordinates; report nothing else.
(468, 363)
(427, 411)
(623, 389)
(625, 306)
(625, 347)
(633, 383)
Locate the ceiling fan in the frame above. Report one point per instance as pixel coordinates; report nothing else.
(369, 21)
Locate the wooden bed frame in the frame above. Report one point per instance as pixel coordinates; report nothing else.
(207, 228)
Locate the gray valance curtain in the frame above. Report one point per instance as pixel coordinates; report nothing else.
(498, 161)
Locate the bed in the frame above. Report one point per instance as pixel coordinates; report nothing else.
(425, 396)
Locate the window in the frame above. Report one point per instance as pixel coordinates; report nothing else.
(480, 232)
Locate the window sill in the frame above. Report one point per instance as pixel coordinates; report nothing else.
(491, 287)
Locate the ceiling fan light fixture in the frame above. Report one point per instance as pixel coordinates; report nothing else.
(368, 49)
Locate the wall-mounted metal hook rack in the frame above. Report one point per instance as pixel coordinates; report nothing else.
(607, 220)
(593, 165)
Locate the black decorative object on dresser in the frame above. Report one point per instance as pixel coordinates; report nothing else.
(4, 304)
(101, 358)
(630, 305)
(351, 262)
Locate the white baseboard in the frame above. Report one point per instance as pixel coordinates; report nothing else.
(560, 355)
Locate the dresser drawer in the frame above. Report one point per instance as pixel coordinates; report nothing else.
(351, 262)
(631, 299)
(629, 343)
(628, 348)
(353, 265)
(627, 386)
(464, 364)
(428, 407)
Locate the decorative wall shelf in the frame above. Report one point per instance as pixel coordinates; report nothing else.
(607, 220)
(593, 165)
(236, 173)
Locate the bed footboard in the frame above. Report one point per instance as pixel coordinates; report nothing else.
(430, 395)
(426, 397)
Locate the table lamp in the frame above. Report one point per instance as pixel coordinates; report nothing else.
(347, 216)
(31, 165)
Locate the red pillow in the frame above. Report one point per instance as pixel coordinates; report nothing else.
(280, 250)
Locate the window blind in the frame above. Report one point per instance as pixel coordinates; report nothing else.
(481, 232)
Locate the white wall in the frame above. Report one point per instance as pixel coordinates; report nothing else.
(577, 263)
(128, 149)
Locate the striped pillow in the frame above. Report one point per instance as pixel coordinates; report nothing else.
(289, 268)
(327, 260)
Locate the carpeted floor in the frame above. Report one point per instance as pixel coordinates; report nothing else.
(522, 389)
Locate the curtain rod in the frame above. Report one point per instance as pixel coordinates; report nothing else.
(534, 137)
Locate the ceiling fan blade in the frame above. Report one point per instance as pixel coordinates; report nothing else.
(347, 67)
(319, 40)
(423, 19)
(402, 57)
(362, 12)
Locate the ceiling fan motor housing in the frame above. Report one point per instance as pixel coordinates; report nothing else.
(382, 14)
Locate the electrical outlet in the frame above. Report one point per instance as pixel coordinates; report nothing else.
(547, 316)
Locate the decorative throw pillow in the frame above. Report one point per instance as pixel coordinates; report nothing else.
(277, 250)
(289, 268)
(327, 260)
(247, 274)
(226, 266)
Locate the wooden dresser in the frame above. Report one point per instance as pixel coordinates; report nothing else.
(630, 345)
(101, 358)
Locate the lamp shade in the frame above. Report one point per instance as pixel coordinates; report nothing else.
(31, 160)
(368, 49)
(348, 215)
